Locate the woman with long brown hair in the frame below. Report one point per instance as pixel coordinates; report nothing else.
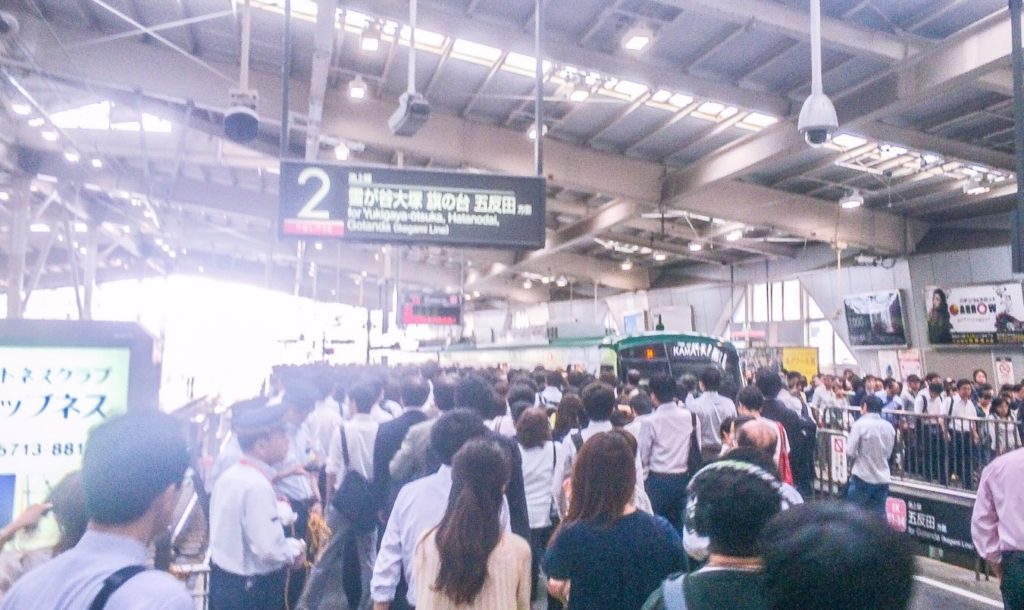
(468, 560)
(612, 555)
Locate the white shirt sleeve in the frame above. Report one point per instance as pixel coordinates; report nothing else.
(387, 568)
(261, 526)
(335, 460)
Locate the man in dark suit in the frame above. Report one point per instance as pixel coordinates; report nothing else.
(801, 431)
(476, 394)
(390, 435)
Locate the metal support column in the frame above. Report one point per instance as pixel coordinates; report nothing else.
(92, 244)
(538, 102)
(1017, 221)
(19, 248)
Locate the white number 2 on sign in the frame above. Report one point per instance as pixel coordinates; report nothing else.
(311, 210)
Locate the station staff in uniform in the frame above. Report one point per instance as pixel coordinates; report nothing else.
(249, 554)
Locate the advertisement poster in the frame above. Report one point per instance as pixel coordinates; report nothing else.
(754, 358)
(50, 398)
(975, 315)
(910, 362)
(875, 319)
(804, 360)
(1004, 371)
(888, 364)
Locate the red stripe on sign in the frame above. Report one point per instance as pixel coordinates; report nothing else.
(318, 228)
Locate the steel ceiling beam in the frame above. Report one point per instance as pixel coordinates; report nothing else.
(323, 48)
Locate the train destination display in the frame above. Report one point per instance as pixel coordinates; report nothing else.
(376, 204)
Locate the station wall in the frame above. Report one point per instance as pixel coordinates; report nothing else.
(712, 305)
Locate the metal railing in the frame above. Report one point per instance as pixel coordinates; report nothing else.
(935, 449)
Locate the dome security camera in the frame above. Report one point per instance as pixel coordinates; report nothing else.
(241, 123)
(818, 120)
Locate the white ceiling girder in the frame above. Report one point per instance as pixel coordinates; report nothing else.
(563, 51)
(806, 217)
(323, 47)
(835, 33)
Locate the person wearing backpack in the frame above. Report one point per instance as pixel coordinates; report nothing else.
(732, 503)
(131, 474)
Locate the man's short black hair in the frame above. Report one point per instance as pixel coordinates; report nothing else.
(873, 404)
(554, 379)
(913, 379)
(451, 432)
(633, 377)
(129, 461)
(520, 392)
(732, 509)
(598, 401)
(473, 392)
(834, 556)
(415, 392)
(768, 382)
(642, 404)
(711, 377)
(963, 382)
(364, 396)
(664, 387)
(444, 394)
(751, 398)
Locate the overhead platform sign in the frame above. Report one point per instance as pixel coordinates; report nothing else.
(411, 206)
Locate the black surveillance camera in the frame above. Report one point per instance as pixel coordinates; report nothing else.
(241, 123)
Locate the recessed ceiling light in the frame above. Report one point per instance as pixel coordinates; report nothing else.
(97, 162)
(626, 265)
(36, 122)
(49, 136)
(660, 256)
(637, 39)
(695, 246)
(21, 108)
(734, 235)
(72, 156)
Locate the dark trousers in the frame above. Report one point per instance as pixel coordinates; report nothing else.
(934, 466)
(961, 457)
(668, 496)
(296, 579)
(538, 544)
(869, 496)
(1013, 580)
(233, 592)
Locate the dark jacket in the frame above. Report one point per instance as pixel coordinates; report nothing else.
(801, 433)
(515, 493)
(389, 440)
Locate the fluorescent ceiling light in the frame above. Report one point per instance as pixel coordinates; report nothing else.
(637, 42)
(679, 100)
(528, 284)
(357, 88)
(734, 235)
(72, 156)
(532, 132)
(661, 96)
(81, 227)
(97, 162)
(476, 294)
(369, 40)
(852, 201)
(633, 90)
(341, 153)
(760, 120)
(562, 281)
(847, 141)
(627, 265)
(21, 108)
(49, 136)
(695, 246)
(39, 227)
(711, 108)
(36, 122)
(660, 256)
(5, 196)
(475, 52)
(579, 94)
(889, 151)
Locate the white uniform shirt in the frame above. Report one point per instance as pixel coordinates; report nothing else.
(73, 579)
(360, 435)
(962, 409)
(792, 402)
(640, 428)
(321, 424)
(420, 506)
(297, 487)
(926, 405)
(246, 535)
(380, 415)
(503, 424)
(568, 454)
(869, 446)
(671, 425)
(711, 410)
(229, 454)
(539, 465)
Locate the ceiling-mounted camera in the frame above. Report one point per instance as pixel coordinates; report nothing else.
(241, 123)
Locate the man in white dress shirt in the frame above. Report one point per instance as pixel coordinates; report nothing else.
(963, 432)
(673, 426)
(711, 409)
(131, 474)
(419, 507)
(249, 554)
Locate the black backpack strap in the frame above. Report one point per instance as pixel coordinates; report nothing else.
(113, 583)
(577, 439)
(344, 449)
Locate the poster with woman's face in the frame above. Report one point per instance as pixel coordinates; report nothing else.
(991, 314)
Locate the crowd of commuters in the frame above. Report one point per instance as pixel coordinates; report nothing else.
(460, 489)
